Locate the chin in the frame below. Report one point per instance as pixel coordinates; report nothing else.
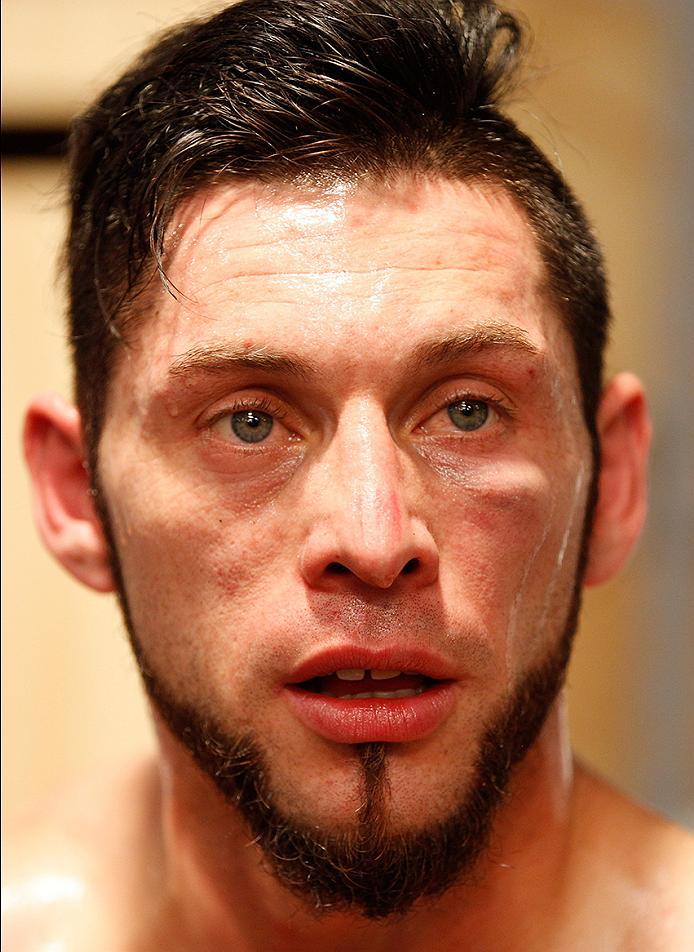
(393, 826)
(369, 827)
(410, 789)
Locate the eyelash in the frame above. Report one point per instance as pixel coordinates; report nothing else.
(474, 396)
(266, 405)
(262, 404)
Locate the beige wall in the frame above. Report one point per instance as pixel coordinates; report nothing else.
(601, 78)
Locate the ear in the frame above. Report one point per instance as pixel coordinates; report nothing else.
(624, 431)
(63, 503)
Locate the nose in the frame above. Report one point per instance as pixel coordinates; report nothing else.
(361, 523)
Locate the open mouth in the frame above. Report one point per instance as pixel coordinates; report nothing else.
(356, 684)
(350, 695)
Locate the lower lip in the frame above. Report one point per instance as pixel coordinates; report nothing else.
(373, 719)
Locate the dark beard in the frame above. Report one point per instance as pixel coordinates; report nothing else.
(370, 869)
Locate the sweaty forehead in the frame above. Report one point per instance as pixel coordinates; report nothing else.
(347, 274)
(355, 283)
(407, 224)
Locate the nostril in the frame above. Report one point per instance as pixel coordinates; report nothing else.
(410, 567)
(337, 568)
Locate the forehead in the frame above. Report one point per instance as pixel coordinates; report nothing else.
(355, 224)
(351, 273)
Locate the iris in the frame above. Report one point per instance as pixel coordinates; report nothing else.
(468, 414)
(251, 426)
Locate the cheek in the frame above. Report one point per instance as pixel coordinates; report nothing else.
(512, 536)
(197, 567)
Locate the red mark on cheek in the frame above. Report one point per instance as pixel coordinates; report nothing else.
(247, 344)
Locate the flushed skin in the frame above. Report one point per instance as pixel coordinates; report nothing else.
(364, 311)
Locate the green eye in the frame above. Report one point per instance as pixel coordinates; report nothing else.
(469, 414)
(251, 426)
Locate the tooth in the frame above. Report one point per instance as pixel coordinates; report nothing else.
(384, 675)
(351, 674)
(366, 695)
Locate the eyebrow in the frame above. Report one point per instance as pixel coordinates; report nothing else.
(219, 358)
(448, 348)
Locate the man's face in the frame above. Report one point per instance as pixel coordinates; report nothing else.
(353, 440)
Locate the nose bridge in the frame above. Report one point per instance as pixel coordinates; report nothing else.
(365, 526)
(368, 467)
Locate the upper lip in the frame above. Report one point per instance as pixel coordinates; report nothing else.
(392, 658)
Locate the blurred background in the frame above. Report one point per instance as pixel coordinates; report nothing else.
(608, 93)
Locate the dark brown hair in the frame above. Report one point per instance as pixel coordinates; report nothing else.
(280, 90)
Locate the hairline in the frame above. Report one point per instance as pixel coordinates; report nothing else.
(139, 304)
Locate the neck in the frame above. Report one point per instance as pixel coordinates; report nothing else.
(220, 890)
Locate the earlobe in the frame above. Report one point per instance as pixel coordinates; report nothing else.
(624, 431)
(63, 504)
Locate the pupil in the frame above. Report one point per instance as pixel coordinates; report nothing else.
(251, 426)
(468, 414)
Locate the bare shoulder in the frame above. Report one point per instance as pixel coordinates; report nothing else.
(642, 863)
(74, 862)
